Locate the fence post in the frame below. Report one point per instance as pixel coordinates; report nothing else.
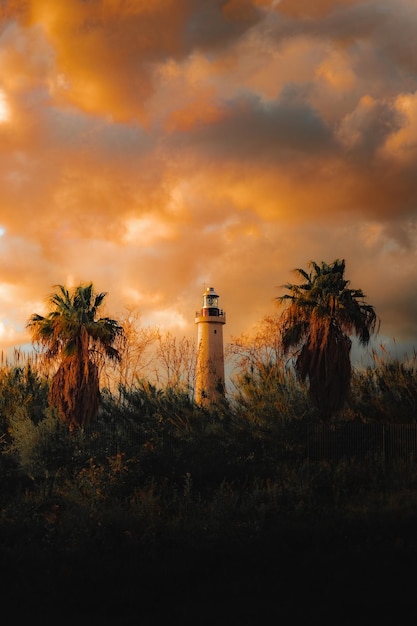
(383, 446)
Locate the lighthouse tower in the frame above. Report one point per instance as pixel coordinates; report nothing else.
(210, 319)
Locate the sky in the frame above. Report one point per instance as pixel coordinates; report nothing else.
(157, 147)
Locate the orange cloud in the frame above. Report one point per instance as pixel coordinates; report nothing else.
(194, 114)
(157, 147)
(402, 144)
(104, 49)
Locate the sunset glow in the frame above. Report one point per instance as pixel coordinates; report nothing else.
(157, 147)
(4, 109)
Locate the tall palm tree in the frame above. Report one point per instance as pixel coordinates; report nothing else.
(322, 314)
(71, 333)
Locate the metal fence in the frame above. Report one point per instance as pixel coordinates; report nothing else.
(386, 442)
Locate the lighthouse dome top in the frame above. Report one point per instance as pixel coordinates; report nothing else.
(210, 291)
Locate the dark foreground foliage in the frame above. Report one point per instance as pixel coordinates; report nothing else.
(317, 566)
(164, 511)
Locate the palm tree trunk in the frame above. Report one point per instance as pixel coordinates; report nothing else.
(75, 391)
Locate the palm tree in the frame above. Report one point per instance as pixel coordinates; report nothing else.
(70, 332)
(323, 313)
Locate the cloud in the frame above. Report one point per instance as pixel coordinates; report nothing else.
(160, 147)
(312, 10)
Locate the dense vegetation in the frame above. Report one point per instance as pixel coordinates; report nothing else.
(161, 509)
(124, 500)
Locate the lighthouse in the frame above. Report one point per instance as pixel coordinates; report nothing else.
(210, 319)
